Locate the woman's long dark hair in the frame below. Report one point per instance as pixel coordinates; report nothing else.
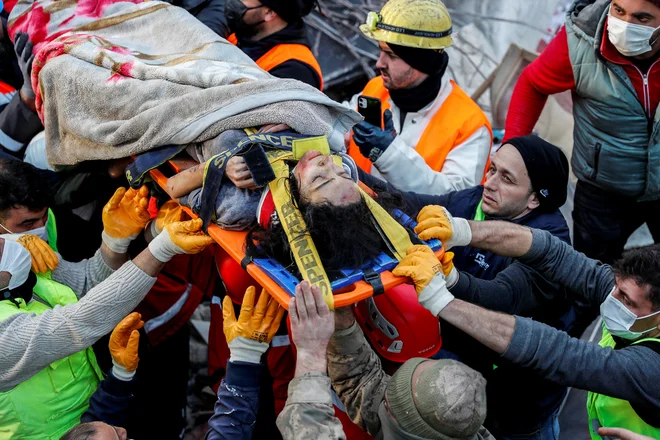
(345, 236)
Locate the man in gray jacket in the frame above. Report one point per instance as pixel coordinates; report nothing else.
(621, 372)
(607, 56)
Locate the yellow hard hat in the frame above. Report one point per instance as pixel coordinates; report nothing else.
(423, 24)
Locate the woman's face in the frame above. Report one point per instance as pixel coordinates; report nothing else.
(320, 180)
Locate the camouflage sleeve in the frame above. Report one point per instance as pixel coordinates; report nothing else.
(357, 377)
(308, 412)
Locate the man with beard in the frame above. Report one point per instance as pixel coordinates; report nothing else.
(273, 34)
(434, 139)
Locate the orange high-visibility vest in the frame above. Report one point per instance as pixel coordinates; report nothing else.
(285, 52)
(456, 120)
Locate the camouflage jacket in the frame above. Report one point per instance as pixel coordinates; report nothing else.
(357, 377)
(359, 380)
(308, 413)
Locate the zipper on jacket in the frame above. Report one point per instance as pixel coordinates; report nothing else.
(646, 89)
(597, 149)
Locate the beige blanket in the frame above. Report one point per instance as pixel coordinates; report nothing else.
(120, 78)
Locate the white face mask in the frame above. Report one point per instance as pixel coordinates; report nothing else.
(41, 232)
(629, 39)
(17, 261)
(619, 320)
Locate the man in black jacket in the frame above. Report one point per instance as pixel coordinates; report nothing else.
(526, 184)
(273, 34)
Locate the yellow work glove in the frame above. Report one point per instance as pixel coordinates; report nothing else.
(448, 269)
(249, 336)
(422, 266)
(434, 221)
(43, 256)
(124, 217)
(124, 342)
(179, 238)
(170, 212)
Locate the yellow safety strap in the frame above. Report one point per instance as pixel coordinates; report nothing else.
(303, 248)
(302, 146)
(395, 233)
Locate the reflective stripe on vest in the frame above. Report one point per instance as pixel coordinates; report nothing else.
(456, 120)
(52, 401)
(282, 53)
(610, 412)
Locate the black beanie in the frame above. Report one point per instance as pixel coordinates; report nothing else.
(427, 61)
(290, 10)
(547, 168)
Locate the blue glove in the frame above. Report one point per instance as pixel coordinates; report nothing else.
(372, 140)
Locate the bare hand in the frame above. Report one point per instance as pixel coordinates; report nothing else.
(238, 172)
(622, 434)
(312, 326)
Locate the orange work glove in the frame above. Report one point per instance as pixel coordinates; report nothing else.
(448, 269)
(124, 342)
(124, 217)
(249, 336)
(170, 212)
(179, 238)
(423, 267)
(434, 221)
(43, 256)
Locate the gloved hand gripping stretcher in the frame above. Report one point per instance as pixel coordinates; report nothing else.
(273, 160)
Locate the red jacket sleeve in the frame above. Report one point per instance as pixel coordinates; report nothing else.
(550, 73)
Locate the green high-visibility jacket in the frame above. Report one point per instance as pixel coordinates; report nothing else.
(51, 402)
(616, 413)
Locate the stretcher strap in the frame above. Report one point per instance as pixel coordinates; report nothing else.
(214, 170)
(145, 162)
(303, 248)
(395, 233)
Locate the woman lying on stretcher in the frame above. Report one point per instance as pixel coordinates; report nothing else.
(327, 194)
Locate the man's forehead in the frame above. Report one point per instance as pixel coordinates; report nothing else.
(647, 7)
(509, 159)
(22, 213)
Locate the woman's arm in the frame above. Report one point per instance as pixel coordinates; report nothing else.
(184, 182)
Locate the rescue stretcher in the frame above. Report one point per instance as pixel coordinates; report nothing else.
(348, 289)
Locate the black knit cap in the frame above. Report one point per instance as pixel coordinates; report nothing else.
(290, 10)
(547, 168)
